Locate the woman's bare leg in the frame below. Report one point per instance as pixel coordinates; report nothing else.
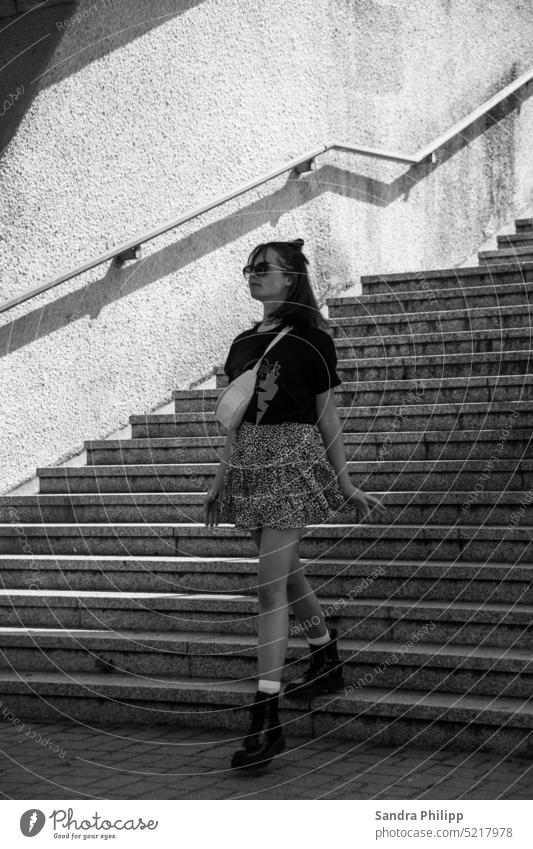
(275, 560)
(300, 596)
(304, 602)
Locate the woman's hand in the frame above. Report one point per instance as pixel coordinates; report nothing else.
(363, 501)
(212, 506)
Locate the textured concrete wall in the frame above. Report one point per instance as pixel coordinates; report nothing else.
(143, 111)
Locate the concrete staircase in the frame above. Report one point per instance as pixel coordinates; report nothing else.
(119, 605)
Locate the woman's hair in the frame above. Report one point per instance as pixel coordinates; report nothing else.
(300, 309)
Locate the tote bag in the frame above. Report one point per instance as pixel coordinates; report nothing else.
(233, 401)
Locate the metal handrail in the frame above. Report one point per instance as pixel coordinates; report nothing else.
(302, 164)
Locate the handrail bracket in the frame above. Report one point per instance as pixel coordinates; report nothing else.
(130, 253)
(304, 167)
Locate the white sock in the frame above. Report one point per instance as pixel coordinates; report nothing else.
(319, 641)
(267, 686)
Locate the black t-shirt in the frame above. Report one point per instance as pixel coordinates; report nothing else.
(299, 366)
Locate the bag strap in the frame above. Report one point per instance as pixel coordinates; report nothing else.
(276, 339)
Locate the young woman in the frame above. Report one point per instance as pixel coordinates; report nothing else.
(274, 478)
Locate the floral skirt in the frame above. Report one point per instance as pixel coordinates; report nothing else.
(279, 476)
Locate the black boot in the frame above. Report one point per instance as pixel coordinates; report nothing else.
(324, 674)
(265, 737)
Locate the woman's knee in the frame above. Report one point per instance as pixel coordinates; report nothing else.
(271, 598)
(296, 583)
(276, 559)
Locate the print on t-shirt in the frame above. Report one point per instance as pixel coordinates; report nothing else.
(266, 386)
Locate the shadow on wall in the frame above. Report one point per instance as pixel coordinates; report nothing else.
(119, 281)
(27, 40)
(31, 32)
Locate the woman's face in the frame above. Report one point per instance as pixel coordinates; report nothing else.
(273, 283)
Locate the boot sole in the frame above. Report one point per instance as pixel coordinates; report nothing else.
(302, 693)
(266, 760)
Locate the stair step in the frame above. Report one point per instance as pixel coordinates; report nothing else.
(410, 507)
(503, 543)
(503, 256)
(437, 279)
(406, 367)
(390, 390)
(378, 418)
(477, 318)
(473, 342)
(511, 543)
(440, 508)
(438, 475)
(518, 239)
(408, 445)
(343, 578)
(350, 367)
(438, 300)
(449, 720)
(483, 670)
(522, 224)
(364, 619)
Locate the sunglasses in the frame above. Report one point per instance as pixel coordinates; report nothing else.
(261, 268)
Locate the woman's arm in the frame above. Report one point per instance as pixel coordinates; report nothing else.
(330, 427)
(224, 462)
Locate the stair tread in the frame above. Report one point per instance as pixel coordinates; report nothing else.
(401, 382)
(188, 529)
(448, 292)
(339, 566)
(436, 335)
(251, 601)
(435, 359)
(435, 315)
(221, 639)
(491, 707)
(445, 407)
(452, 272)
(472, 464)
(509, 239)
(208, 441)
(518, 251)
(441, 358)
